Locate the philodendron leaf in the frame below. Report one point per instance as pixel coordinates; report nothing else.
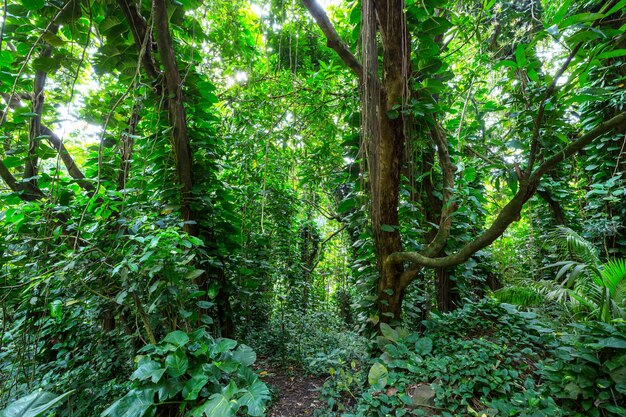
(255, 397)
(244, 355)
(223, 345)
(176, 363)
(217, 406)
(388, 332)
(424, 346)
(34, 405)
(378, 375)
(177, 338)
(193, 386)
(133, 404)
(148, 369)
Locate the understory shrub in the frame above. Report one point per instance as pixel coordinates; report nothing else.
(315, 341)
(485, 359)
(193, 375)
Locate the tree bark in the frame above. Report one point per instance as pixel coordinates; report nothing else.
(177, 115)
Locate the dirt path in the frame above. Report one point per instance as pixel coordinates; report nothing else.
(295, 394)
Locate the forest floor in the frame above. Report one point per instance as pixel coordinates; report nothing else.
(294, 394)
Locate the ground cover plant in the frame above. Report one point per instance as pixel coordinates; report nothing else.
(298, 207)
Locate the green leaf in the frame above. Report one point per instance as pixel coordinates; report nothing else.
(223, 345)
(520, 55)
(11, 161)
(424, 346)
(169, 389)
(194, 274)
(35, 404)
(346, 205)
(254, 398)
(148, 369)
(581, 18)
(387, 228)
(378, 376)
(611, 342)
(177, 338)
(133, 404)
(560, 14)
(612, 54)
(33, 4)
(217, 406)
(388, 332)
(176, 363)
(56, 309)
(244, 355)
(619, 6)
(193, 386)
(506, 63)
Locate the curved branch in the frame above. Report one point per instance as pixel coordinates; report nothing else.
(27, 191)
(57, 144)
(333, 40)
(67, 159)
(511, 210)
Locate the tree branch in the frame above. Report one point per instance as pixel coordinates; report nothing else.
(27, 191)
(333, 40)
(67, 159)
(57, 144)
(142, 37)
(511, 210)
(449, 206)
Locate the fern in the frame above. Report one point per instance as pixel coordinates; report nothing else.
(583, 284)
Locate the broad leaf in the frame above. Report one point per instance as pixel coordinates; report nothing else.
(255, 397)
(34, 405)
(133, 404)
(378, 375)
(244, 355)
(177, 338)
(217, 406)
(177, 363)
(193, 386)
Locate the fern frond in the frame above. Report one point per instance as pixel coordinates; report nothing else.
(523, 296)
(577, 247)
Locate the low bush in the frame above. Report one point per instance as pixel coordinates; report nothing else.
(193, 375)
(487, 359)
(315, 342)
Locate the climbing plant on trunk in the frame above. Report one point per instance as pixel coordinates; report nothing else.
(393, 98)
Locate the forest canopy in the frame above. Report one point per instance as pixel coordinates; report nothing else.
(418, 207)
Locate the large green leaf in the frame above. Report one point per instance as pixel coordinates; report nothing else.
(193, 386)
(218, 405)
(177, 338)
(244, 355)
(388, 332)
(177, 363)
(133, 404)
(223, 345)
(378, 375)
(34, 405)
(255, 397)
(148, 369)
(33, 4)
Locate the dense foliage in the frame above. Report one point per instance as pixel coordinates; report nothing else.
(421, 202)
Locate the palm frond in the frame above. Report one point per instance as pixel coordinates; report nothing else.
(614, 274)
(520, 295)
(577, 248)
